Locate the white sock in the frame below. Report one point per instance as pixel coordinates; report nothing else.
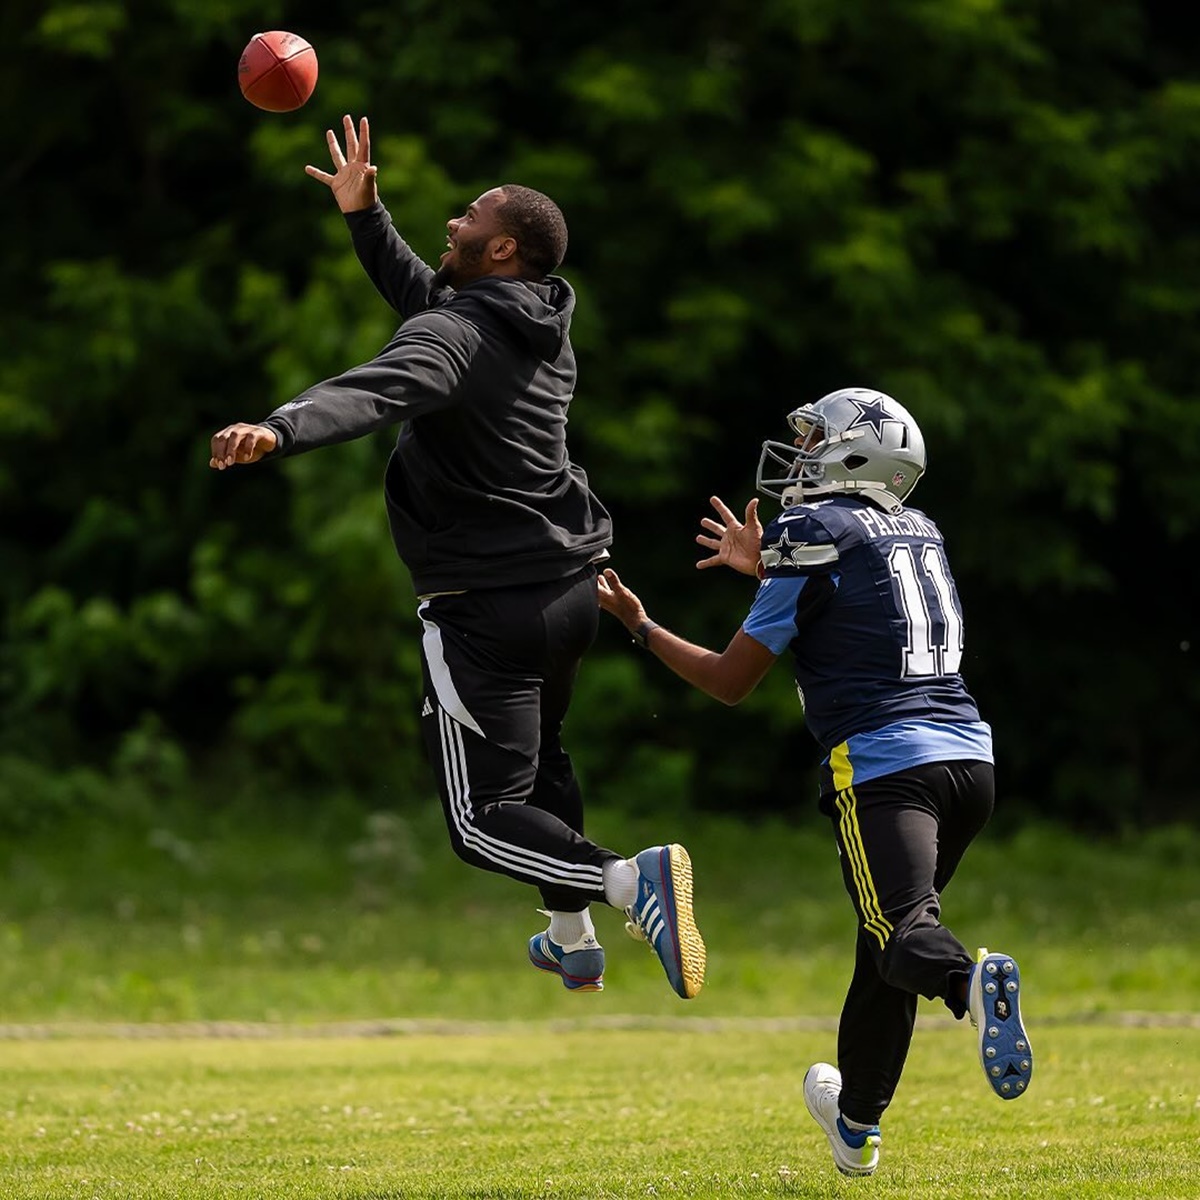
(855, 1126)
(620, 882)
(567, 928)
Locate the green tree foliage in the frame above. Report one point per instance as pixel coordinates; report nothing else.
(981, 206)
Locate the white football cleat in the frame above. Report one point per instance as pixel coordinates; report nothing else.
(994, 1004)
(855, 1152)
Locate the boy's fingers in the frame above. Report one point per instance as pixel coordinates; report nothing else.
(723, 509)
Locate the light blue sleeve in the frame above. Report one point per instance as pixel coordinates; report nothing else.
(772, 617)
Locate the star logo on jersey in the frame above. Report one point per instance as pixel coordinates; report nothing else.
(873, 413)
(782, 553)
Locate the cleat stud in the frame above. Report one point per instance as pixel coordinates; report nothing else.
(990, 968)
(1010, 986)
(989, 987)
(1020, 1047)
(1020, 1085)
(1024, 1064)
(990, 1052)
(1008, 967)
(996, 1070)
(1006, 1088)
(993, 1031)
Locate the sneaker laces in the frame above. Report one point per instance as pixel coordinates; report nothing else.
(632, 927)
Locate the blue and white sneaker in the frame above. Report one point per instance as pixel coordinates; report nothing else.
(994, 1004)
(580, 966)
(662, 915)
(855, 1152)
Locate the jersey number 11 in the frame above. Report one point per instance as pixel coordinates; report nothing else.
(935, 627)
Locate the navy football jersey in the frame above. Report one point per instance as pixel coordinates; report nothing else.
(865, 601)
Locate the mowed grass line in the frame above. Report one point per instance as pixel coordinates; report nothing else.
(1112, 1114)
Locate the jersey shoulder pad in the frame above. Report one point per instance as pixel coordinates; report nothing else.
(797, 542)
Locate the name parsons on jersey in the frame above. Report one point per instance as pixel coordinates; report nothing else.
(906, 524)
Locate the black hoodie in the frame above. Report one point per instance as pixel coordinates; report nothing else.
(480, 491)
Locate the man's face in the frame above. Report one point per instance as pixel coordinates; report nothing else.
(473, 238)
(809, 437)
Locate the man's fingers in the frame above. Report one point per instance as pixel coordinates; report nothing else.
(707, 542)
(351, 138)
(712, 526)
(323, 176)
(752, 511)
(253, 447)
(233, 452)
(239, 443)
(254, 444)
(364, 140)
(715, 561)
(218, 447)
(335, 151)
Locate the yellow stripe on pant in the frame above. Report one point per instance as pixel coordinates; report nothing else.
(874, 921)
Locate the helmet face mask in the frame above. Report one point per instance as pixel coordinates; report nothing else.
(855, 441)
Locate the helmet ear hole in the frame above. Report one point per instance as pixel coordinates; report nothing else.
(854, 461)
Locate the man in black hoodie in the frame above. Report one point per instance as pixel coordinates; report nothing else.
(501, 535)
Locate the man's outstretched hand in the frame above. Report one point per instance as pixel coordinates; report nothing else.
(353, 180)
(737, 544)
(240, 444)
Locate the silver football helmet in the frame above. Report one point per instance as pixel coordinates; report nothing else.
(854, 441)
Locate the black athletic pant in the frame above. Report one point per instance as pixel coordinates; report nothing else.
(900, 839)
(500, 665)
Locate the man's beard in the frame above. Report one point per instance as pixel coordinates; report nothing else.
(454, 274)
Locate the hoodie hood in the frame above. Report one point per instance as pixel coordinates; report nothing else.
(538, 313)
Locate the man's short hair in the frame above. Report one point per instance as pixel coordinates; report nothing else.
(538, 225)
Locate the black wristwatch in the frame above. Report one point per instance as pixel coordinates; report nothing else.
(642, 632)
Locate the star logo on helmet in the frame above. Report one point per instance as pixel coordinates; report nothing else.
(873, 413)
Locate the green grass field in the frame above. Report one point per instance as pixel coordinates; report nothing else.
(485, 1078)
(589, 1113)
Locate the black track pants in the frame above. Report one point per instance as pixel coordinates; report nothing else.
(500, 665)
(900, 839)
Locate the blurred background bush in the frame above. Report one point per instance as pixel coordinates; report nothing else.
(986, 209)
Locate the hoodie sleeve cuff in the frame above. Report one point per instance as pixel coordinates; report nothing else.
(283, 436)
(366, 222)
